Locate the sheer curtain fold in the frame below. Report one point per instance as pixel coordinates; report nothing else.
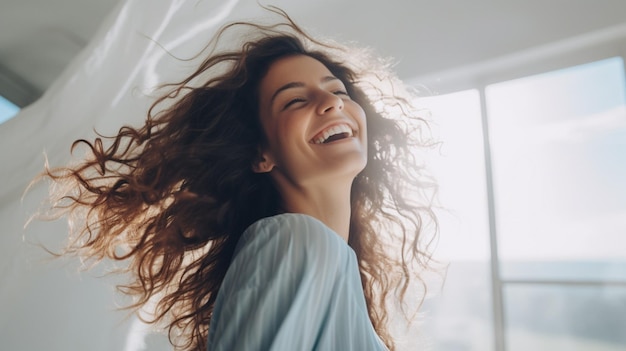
(110, 83)
(47, 305)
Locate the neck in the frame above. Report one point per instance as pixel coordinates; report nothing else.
(329, 204)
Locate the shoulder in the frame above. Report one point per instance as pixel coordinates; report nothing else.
(288, 271)
(289, 246)
(293, 230)
(285, 221)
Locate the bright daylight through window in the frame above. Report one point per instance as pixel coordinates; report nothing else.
(7, 110)
(557, 142)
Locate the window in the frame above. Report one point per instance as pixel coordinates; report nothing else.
(7, 110)
(535, 225)
(460, 315)
(558, 147)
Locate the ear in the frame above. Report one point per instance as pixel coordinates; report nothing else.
(263, 163)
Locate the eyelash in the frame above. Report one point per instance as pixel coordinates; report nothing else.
(296, 100)
(293, 101)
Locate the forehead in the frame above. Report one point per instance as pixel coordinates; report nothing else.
(297, 68)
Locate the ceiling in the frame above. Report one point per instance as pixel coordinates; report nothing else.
(38, 38)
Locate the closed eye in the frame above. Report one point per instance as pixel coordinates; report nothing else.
(293, 101)
(340, 92)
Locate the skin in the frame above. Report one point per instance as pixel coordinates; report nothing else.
(299, 99)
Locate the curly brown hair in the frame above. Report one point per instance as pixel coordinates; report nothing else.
(172, 197)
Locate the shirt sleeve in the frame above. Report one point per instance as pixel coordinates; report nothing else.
(293, 285)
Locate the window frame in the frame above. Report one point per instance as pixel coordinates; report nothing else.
(590, 47)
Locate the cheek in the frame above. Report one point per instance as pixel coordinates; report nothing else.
(359, 115)
(363, 118)
(292, 126)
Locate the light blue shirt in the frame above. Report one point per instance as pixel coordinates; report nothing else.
(293, 284)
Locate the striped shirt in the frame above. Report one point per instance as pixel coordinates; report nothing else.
(293, 284)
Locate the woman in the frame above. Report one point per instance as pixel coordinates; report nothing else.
(273, 204)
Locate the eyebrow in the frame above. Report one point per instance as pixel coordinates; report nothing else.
(298, 85)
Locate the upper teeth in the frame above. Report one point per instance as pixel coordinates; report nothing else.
(336, 129)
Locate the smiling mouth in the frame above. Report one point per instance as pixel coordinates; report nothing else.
(334, 133)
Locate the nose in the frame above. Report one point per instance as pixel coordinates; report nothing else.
(329, 102)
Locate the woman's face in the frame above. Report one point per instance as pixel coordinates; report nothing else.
(315, 131)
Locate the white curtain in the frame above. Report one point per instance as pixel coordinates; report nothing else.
(48, 304)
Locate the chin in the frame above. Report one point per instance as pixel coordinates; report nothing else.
(356, 166)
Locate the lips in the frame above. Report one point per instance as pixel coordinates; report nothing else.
(332, 133)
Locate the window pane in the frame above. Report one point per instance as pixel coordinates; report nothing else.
(7, 109)
(587, 318)
(558, 143)
(458, 165)
(583, 270)
(459, 315)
